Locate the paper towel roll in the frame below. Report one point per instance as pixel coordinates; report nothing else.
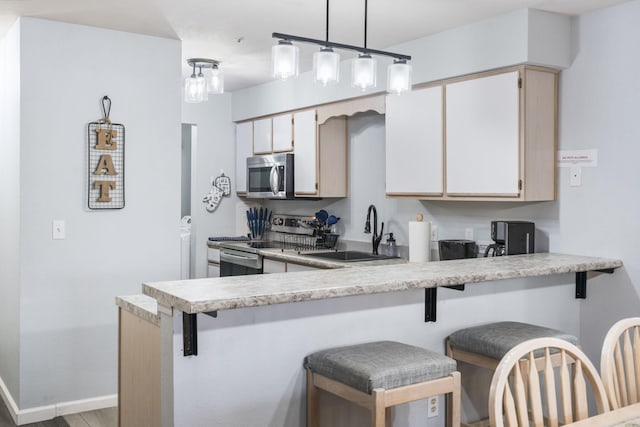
(419, 241)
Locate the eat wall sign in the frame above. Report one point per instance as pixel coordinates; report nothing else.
(106, 162)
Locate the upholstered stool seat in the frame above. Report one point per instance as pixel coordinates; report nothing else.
(379, 375)
(485, 345)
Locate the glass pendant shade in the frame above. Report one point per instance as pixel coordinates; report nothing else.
(363, 72)
(194, 89)
(216, 81)
(202, 82)
(284, 60)
(399, 77)
(326, 66)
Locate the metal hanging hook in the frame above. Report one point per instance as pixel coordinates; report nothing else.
(106, 106)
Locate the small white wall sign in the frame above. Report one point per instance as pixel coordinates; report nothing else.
(581, 158)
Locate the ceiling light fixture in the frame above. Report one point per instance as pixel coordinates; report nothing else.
(197, 87)
(326, 63)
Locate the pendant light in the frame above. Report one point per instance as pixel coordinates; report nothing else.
(399, 77)
(363, 72)
(364, 67)
(215, 83)
(197, 87)
(284, 56)
(326, 63)
(194, 87)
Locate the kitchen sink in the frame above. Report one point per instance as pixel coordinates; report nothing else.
(349, 256)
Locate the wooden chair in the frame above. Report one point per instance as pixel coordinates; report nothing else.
(517, 395)
(620, 363)
(380, 375)
(485, 345)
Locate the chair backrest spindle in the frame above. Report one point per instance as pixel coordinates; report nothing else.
(620, 363)
(525, 407)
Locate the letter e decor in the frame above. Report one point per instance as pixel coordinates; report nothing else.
(106, 162)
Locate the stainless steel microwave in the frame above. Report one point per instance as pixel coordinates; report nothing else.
(270, 176)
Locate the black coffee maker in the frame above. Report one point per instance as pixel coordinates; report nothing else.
(511, 238)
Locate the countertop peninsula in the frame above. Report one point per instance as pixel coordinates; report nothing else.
(227, 293)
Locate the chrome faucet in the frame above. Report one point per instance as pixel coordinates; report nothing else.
(376, 238)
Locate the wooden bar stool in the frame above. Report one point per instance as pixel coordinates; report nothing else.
(380, 375)
(486, 345)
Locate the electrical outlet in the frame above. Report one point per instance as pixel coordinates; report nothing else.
(58, 230)
(434, 234)
(468, 233)
(434, 403)
(576, 176)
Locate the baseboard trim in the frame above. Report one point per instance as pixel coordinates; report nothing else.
(48, 412)
(66, 408)
(8, 401)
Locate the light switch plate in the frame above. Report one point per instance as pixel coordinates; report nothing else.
(59, 232)
(576, 176)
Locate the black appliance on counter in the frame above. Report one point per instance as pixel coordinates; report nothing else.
(511, 238)
(457, 249)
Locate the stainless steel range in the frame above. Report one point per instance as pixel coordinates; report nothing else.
(285, 232)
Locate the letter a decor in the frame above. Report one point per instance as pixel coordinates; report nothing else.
(106, 162)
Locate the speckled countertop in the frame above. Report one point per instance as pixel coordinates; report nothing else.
(226, 293)
(142, 306)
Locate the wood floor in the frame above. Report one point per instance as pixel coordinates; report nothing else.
(101, 418)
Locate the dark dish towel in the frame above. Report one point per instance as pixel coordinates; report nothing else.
(229, 239)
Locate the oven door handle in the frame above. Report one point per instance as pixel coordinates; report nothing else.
(251, 260)
(239, 257)
(274, 179)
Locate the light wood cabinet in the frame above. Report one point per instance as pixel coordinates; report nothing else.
(320, 155)
(270, 266)
(244, 141)
(282, 133)
(494, 138)
(262, 136)
(483, 140)
(415, 143)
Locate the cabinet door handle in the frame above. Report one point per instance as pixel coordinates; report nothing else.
(274, 179)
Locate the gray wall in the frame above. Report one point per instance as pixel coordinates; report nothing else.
(599, 97)
(68, 319)
(213, 153)
(10, 211)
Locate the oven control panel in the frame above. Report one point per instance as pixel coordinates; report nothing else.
(294, 224)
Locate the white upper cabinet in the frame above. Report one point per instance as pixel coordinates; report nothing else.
(305, 150)
(414, 143)
(282, 133)
(262, 136)
(498, 141)
(483, 136)
(244, 138)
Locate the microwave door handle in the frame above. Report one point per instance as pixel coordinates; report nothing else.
(274, 179)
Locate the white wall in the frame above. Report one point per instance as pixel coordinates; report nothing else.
(10, 210)
(68, 318)
(213, 152)
(599, 97)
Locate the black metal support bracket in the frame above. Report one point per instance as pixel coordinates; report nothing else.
(431, 300)
(189, 334)
(581, 282)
